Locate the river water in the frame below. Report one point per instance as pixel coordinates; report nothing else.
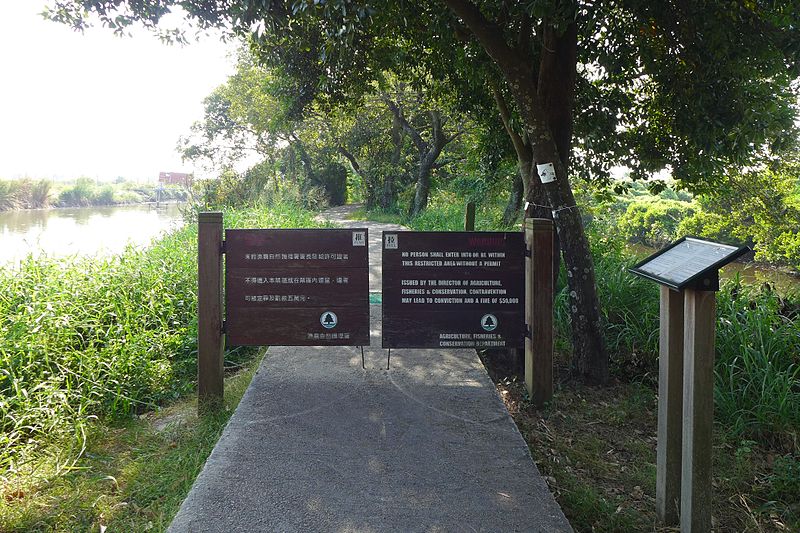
(82, 231)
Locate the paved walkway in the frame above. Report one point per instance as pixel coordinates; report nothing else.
(318, 444)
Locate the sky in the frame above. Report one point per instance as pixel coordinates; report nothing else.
(94, 104)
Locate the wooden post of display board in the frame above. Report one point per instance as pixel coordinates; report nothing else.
(670, 406)
(699, 312)
(210, 340)
(539, 310)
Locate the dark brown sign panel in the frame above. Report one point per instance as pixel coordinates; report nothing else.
(453, 289)
(297, 287)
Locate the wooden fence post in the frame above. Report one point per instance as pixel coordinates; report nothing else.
(670, 406)
(210, 340)
(469, 216)
(539, 290)
(699, 313)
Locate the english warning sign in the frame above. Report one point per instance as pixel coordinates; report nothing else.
(453, 289)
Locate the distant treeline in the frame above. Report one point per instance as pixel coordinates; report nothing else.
(757, 208)
(27, 193)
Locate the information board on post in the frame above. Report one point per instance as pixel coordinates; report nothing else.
(297, 287)
(453, 289)
(685, 261)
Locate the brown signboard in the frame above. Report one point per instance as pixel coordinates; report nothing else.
(453, 289)
(297, 287)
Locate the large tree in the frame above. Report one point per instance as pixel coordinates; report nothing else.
(687, 86)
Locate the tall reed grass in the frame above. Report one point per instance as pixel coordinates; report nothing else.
(84, 338)
(24, 194)
(757, 367)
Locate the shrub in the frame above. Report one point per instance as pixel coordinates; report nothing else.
(81, 194)
(105, 196)
(653, 222)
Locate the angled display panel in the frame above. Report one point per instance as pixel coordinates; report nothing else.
(685, 261)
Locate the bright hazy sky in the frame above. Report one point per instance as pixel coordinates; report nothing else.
(94, 104)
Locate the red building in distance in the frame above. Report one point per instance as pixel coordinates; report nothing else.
(175, 178)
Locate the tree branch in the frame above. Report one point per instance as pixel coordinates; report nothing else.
(350, 157)
(505, 116)
(487, 32)
(419, 142)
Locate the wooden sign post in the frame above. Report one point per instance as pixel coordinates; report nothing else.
(670, 406)
(469, 216)
(210, 339)
(688, 271)
(539, 310)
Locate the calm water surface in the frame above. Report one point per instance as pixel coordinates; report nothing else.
(82, 231)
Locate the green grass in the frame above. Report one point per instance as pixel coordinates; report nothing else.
(132, 476)
(596, 448)
(92, 341)
(24, 194)
(445, 213)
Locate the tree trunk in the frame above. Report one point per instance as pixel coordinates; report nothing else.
(538, 205)
(367, 178)
(423, 187)
(590, 359)
(556, 88)
(428, 153)
(389, 196)
(514, 203)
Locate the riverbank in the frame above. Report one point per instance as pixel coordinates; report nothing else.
(27, 194)
(89, 346)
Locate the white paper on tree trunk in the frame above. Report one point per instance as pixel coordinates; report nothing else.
(547, 172)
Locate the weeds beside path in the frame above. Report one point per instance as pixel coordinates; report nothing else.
(91, 350)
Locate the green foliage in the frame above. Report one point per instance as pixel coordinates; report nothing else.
(785, 479)
(653, 222)
(760, 208)
(758, 365)
(757, 386)
(333, 180)
(86, 337)
(24, 194)
(132, 477)
(81, 194)
(630, 309)
(105, 337)
(104, 196)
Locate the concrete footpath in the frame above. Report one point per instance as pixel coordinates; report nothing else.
(319, 444)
